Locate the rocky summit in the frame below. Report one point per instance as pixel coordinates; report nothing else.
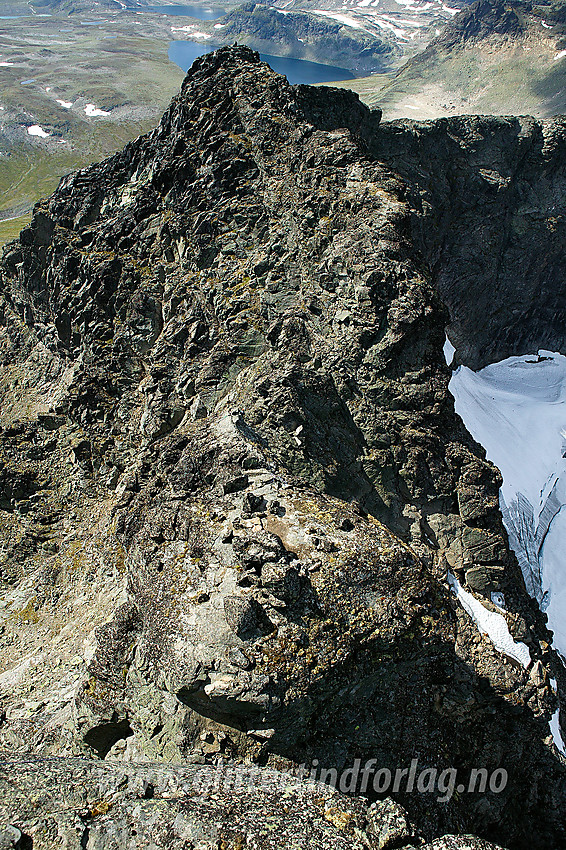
(235, 498)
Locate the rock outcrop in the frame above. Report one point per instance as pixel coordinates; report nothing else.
(232, 487)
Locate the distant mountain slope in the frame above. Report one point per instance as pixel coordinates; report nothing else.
(68, 7)
(303, 35)
(408, 25)
(495, 57)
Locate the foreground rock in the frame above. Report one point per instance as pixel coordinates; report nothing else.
(109, 807)
(233, 483)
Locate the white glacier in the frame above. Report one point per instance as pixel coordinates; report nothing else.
(516, 409)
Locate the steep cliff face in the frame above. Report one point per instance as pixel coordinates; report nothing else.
(488, 199)
(476, 22)
(233, 485)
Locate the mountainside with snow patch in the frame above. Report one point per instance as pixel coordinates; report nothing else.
(494, 57)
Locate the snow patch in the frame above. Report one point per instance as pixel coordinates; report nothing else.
(448, 349)
(342, 19)
(6, 64)
(65, 103)
(498, 599)
(560, 55)
(385, 25)
(555, 724)
(403, 21)
(190, 30)
(491, 623)
(36, 130)
(556, 733)
(94, 112)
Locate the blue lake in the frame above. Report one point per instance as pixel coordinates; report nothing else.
(203, 13)
(183, 54)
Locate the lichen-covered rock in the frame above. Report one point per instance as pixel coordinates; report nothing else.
(459, 842)
(232, 483)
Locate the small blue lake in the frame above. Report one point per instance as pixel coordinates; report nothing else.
(203, 13)
(183, 54)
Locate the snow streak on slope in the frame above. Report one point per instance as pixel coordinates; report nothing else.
(493, 624)
(516, 409)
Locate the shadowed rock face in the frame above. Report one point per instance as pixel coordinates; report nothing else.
(232, 476)
(488, 198)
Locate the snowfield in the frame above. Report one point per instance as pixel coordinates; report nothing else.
(94, 112)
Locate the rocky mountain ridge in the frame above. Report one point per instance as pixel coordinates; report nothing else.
(233, 485)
